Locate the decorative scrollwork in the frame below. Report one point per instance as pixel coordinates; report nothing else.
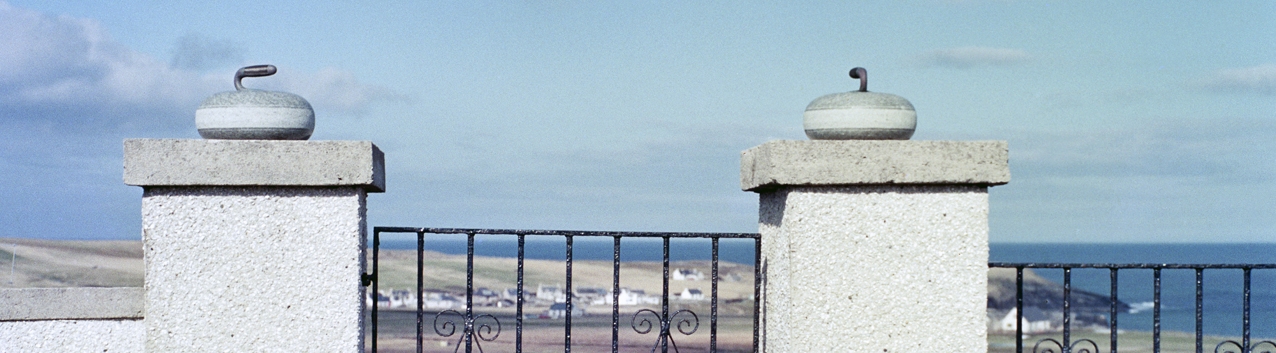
(1078, 346)
(475, 329)
(646, 323)
(685, 325)
(1253, 348)
(695, 325)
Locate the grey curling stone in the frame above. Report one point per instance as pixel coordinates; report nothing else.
(860, 115)
(251, 114)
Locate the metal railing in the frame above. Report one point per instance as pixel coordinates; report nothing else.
(1067, 345)
(474, 329)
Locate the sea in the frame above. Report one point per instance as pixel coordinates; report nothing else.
(1223, 293)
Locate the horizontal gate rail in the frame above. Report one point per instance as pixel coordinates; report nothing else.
(1089, 346)
(474, 329)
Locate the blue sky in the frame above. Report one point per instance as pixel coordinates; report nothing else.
(1146, 121)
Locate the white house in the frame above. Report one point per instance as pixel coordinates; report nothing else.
(442, 301)
(1035, 320)
(485, 297)
(636, 297)
(691, 294)
(382, 301)
(593, 295)
(402, 298)
(511, 294)
(559, 310)
(550, 293)
(684, 274)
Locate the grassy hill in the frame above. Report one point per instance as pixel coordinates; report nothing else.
(29, 263)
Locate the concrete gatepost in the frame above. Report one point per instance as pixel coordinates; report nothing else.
(874, 246)
(254, 245)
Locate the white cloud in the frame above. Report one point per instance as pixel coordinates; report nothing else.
(198, 52)
(69, 94)
(62, 69)
(970, 56)
(331, 89)
(1259, 79)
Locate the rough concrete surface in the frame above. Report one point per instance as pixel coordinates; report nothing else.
(181, 162)
(72, 336)
(875, 268)
(827, 163)
(266, 269)
(70, 303)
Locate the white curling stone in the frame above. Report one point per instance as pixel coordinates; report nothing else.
(860, 116)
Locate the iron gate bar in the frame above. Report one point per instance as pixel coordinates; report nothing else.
(666, 320)
(1245, 329)
(469, 290)
(713, 316)
(1200, 293)
(376, 299)
(757, 288)
(420, 273)
(1112, 310)
(615, 296)
(664, 301)
(1245, 346)
(567, 327)
(518, 339)
(1019, 309)
(1067, 295)
(1156, 309)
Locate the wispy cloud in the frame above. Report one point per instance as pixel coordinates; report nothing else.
(69, 94)
(1259, 79)
(971, 56)
(1186, 151)
(70, 72)
(332, 89)
(199, 52)
(1174, 181)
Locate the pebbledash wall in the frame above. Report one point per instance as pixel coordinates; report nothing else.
(71, 320)
(258, 245)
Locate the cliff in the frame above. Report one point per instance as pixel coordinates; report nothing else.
(1087, 308)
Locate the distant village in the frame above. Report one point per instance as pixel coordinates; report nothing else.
(551, 297)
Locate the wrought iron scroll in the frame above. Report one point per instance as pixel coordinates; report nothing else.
(1080, 346)
(686, 326)
(1242, 349)
(481, 331)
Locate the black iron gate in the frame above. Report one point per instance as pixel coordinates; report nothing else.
(471, 330)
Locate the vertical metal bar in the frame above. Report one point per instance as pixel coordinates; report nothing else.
(615, 295)
(1156, 310)
(376, 259)
(757, 289)
(713, 314)
(1245, 320)
(1200, 286)
(420, 286)
(518, 333)
(1019, 309)
(664, 300)
(469, 291)
(1112, 311)
(567, 326)
(1067, 308)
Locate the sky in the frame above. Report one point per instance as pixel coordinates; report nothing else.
(1136, 121)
